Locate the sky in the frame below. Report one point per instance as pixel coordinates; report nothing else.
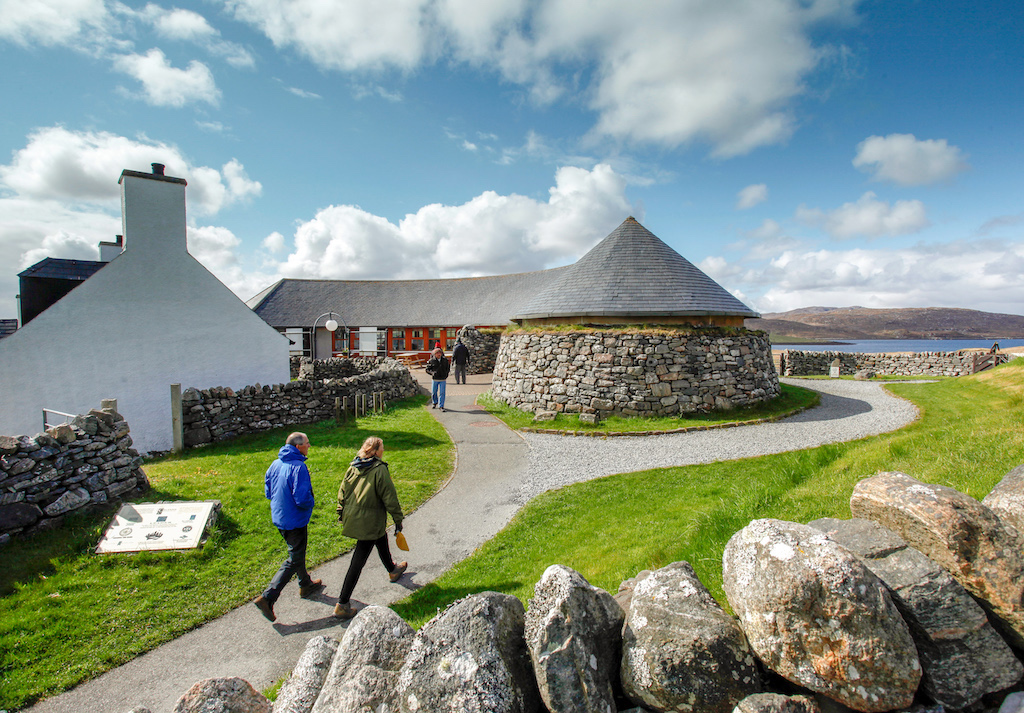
(800, 152)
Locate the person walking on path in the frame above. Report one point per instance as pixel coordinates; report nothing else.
(437, 367)
(366, 496)
(460, 357)
(288, 487)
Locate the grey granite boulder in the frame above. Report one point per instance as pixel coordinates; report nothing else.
(962, 656)
(680, 650)
(471, 657)
(300, 691)
(223, 695)
(364, 673)
(1013, 703)
(817, 616)
(574, 634)
(776, 703)
(1007, 499)
(958, 532)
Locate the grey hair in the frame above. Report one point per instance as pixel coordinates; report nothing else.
(296, 439)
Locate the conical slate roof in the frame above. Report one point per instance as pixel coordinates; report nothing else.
(632, 273)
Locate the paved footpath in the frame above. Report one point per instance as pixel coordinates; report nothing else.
(497, 470)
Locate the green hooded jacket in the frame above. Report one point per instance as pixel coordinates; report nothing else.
(365, 498)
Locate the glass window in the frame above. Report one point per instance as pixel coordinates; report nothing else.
(398, 340)
(416, 345)
(450, 340)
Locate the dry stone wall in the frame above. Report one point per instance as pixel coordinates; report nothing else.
(219, 413)
(801, 363)
(88, 462)
(862, 615)
(634, 373)
(483, 349)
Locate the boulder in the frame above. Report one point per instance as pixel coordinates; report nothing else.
(818, 617)
(1013, 703)
(223, 695)
(1007, 499)
(17, 516)
(70, 500)
(962, 656)
(364, 672)
(574, 634)
(680, 650)
(471, 657)
(864, 375)
(776, 703)
(958, 532)
(300, 691)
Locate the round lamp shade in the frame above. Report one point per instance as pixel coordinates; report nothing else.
(331, 325)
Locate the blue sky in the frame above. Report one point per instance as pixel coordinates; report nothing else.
(801, 152)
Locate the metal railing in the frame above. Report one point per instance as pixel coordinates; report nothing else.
(50, 424)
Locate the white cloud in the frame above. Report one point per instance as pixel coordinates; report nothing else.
(188, 26)
(868, 217)
(76, 166)
(663, 73)
(751, 196)
(164, 85)
(907, 161)
(274, 242)
(490, 233)
(303, 94)
(81, 24)
(958, 274)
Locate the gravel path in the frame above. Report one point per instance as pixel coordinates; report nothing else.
(849, 410)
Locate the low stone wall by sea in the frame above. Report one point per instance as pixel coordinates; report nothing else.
(803, 363)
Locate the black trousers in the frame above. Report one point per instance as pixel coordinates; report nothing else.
(294, 564)
(359, 557)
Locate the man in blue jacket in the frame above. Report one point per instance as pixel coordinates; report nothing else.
(290, 492)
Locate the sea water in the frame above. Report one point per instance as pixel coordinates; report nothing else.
(883, 346)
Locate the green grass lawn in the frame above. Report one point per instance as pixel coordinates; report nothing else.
(971, 433)
(792, 400)
(67, 615)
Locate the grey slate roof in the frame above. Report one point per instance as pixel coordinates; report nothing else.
(632, 273)
(481, 301)
(62, 269)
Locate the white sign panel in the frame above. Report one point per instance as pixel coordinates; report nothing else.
(156, 526)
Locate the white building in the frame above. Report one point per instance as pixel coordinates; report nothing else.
(152, 317)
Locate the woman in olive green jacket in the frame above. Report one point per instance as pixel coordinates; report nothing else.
(365, 498)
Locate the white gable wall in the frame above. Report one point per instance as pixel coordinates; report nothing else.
(152, 317)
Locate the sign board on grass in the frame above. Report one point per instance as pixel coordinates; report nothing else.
(141, 527)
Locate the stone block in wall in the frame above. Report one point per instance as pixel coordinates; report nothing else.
(8, 445)
(18, 516)
(70, 500)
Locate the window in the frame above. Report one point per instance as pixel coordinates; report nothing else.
(398, 340)
(416, 343)
(449, 342)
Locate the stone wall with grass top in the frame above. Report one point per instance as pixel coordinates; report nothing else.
(86, 463)
(220, 414)
(634, 373)
(891, 610)
(801, 363)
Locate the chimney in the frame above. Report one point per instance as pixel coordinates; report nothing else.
(108, 250)
(153, 213)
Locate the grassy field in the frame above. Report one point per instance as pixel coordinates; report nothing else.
(970, 434)
(67, 615)
(792, 400)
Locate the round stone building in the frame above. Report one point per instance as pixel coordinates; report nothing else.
(656, 336)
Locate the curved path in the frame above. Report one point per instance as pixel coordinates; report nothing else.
(497, 471)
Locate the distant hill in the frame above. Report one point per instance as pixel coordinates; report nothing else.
(837, 323)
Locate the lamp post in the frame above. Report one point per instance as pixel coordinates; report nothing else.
(331, 325)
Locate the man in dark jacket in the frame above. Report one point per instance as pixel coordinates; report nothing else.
(438, 368)
(288, 487)
(460, 357)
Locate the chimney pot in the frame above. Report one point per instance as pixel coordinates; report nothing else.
(158, 169)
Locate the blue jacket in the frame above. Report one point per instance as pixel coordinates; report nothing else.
(289, 490)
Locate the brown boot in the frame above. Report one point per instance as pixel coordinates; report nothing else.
(266, 607)
(344, 611)
(312, 588)
(398, 571)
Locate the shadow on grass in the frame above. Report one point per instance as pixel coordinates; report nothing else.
(428, 601)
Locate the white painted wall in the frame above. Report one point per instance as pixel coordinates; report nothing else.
(152, 317)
